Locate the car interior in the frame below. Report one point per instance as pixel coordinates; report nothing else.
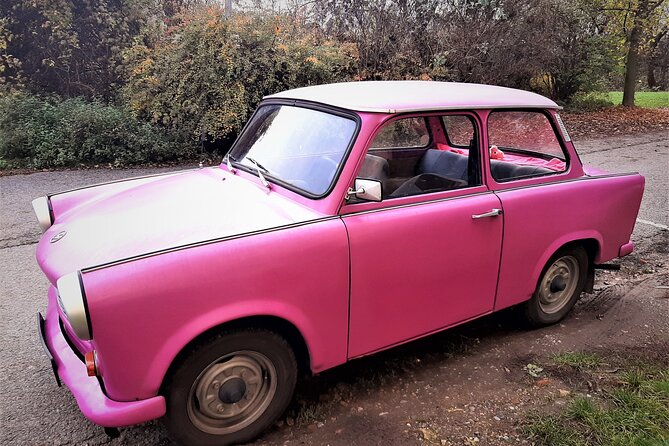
(409, 158)
(412, 156)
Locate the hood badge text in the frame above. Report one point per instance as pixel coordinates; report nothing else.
(58, 236)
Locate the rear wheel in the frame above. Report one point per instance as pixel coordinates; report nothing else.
(559, 287)
(230, 388)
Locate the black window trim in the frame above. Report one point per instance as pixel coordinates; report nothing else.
(311, 106)
(448, 138)
(396, 118)
(478, 143)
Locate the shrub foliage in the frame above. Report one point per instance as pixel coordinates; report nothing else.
(191, 69)
(207, 73)
(43, 133)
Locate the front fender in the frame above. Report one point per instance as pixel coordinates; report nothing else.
(144, 312)
(191, 330)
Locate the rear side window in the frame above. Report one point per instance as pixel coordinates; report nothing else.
(523, 144)
(406, 133)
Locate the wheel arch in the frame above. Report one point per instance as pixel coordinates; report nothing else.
(275, 324)
(592, 245)
(593, 249)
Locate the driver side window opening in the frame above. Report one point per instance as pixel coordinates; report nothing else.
(419, 155)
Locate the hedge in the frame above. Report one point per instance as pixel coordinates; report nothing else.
(46, 133)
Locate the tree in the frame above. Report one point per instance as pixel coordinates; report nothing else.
(658, 56)
(636, 20)
(70, 47)
(395, 38)
(207, 72)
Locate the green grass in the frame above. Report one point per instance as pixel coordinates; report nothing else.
(634, 412)
(577, 360)
(645, 99)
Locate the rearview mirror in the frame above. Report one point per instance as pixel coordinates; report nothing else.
(369, 190)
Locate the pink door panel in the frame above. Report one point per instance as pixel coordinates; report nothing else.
(539, 220)
(418, 268)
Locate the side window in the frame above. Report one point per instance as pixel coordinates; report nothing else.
(411, 156)
(523, 144)
(460, 131)
(402, 133)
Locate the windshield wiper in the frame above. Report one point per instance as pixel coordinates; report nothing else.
(259, 169)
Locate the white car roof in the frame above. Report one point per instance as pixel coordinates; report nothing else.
(410, 96)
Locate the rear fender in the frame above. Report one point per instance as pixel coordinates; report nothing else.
(579, 237)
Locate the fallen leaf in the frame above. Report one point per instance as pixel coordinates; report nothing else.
(429, 434)
(533, 370)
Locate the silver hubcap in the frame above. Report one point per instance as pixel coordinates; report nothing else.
(558, 284)
(232, 392)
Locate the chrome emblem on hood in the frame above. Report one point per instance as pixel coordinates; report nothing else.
(58, 236)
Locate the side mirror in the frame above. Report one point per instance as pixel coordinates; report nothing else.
(369, 190)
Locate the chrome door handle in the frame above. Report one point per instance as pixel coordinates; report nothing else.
(494, 213)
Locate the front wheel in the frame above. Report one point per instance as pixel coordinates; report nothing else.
(559, 287)
(230, 388)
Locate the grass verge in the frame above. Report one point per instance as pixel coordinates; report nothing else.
(577, 360)
(632, 410)
(644, 99)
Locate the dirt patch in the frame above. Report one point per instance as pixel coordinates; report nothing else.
(472, 385)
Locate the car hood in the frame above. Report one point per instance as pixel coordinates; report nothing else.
(167, 212)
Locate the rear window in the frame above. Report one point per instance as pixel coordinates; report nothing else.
(524, 130)
(523, 144)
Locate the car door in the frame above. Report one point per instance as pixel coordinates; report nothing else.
(421, 260)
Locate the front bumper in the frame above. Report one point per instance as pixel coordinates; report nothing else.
(92, 401)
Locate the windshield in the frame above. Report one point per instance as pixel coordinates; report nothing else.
(298, 146)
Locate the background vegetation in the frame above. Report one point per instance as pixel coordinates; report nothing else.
(139, 81)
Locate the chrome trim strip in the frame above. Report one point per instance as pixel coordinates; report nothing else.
(205, 242)
(571, 180)
(400, 206)
(333, 217)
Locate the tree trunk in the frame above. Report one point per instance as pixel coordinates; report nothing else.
(652, 58)
(632, 65)
(652, 82)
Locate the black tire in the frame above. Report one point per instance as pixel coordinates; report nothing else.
(568, 262)
(262, 360)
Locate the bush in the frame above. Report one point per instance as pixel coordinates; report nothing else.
(42, 133)
(206, 73)
(584, 102)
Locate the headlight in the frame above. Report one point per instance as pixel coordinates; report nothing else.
(72, 300)
(42, 209)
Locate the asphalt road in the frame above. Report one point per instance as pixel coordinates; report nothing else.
(34, 411)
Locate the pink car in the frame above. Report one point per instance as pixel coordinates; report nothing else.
(346, 219)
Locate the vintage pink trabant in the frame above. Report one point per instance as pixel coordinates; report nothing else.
(346, 219)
